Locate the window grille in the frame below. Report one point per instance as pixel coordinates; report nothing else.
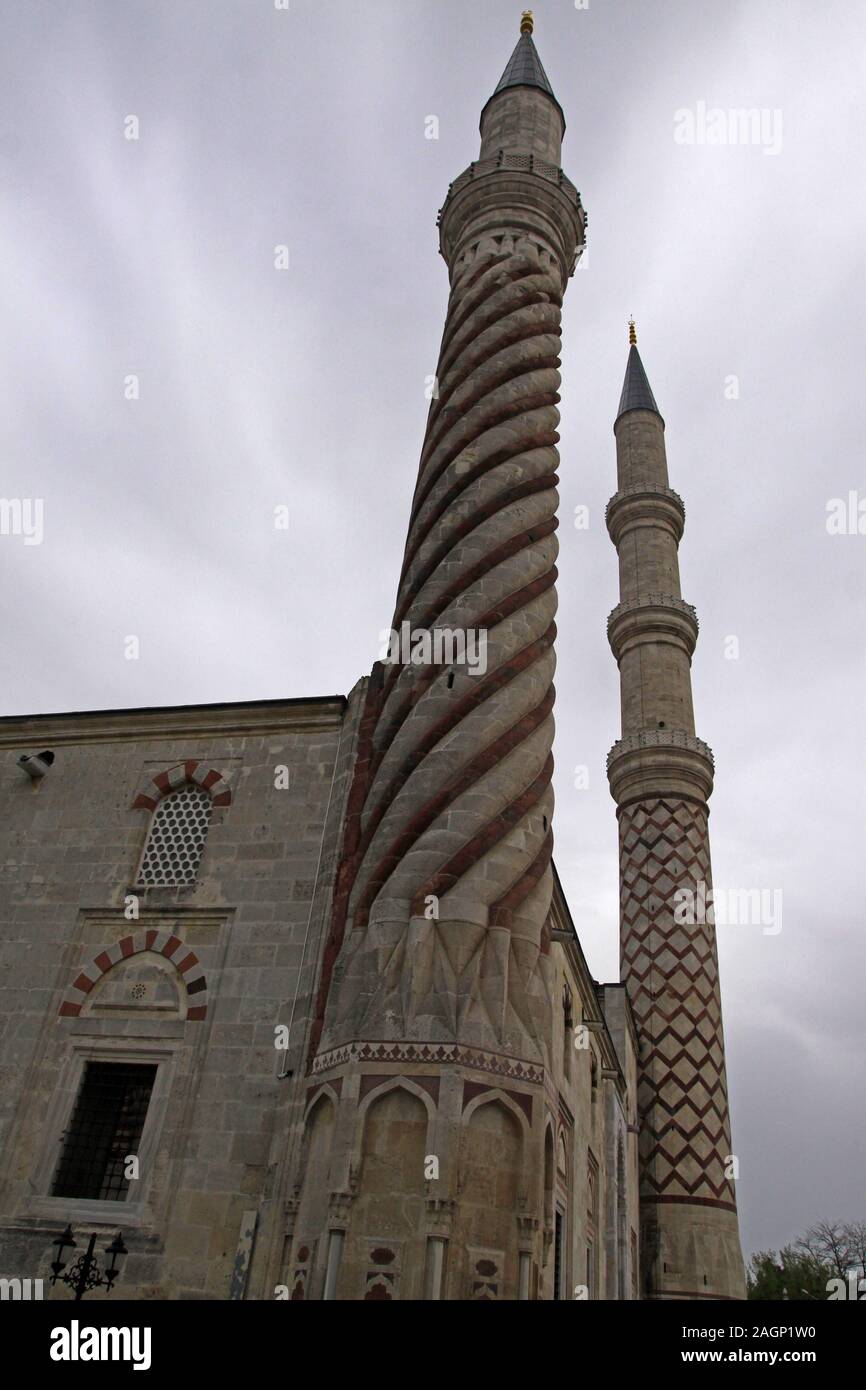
(175, 843)
(105, 1129)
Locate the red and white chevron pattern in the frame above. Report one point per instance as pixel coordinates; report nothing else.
(673, 980)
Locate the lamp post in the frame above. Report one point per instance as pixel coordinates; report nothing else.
(85, 1273)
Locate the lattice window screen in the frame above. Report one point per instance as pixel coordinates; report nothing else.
(175, 843)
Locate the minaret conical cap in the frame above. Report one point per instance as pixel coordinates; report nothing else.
(524, 68)
(636, 390)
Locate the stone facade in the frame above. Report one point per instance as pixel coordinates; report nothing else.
(196, 980)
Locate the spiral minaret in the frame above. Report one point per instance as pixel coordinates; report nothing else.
(661, 777)
(433, 1022)
(448, 881)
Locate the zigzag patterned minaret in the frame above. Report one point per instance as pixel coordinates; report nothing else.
(661, 777)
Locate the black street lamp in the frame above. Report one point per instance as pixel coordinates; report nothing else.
(85, 1273)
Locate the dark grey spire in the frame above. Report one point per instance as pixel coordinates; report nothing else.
(636, 391)
(524, 67)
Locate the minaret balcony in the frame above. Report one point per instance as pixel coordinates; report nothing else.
(645, 504)
(517, 191)
(527, 162)
(655, 761)
(652, 618)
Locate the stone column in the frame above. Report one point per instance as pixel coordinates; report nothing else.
(661, 777)
(436, 975)
(450, 878)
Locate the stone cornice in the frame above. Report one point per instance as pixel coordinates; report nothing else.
(636, 417)
(435, 1054)
(654, 762)
(524, 163)
(527, 198)
(645, 504)
(184, 721)
(652, 618)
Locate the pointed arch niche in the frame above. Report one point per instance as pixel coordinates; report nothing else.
(491, 1167)
(308, 1247)
(386, 1240)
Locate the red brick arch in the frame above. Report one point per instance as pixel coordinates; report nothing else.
(161, 943)
(201, 774)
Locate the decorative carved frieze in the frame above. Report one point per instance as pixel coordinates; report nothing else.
(429, 1053)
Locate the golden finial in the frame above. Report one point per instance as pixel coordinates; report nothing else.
(632, 335)
(527, 23)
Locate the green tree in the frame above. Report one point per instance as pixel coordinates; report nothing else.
(792, 1274)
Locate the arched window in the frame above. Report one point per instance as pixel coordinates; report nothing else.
(175, 841)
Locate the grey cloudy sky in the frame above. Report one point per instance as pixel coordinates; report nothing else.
(305, 388)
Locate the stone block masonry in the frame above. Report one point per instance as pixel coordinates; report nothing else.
(193, 979)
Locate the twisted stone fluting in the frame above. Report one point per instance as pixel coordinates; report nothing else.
(453, 826)
(480, 555)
